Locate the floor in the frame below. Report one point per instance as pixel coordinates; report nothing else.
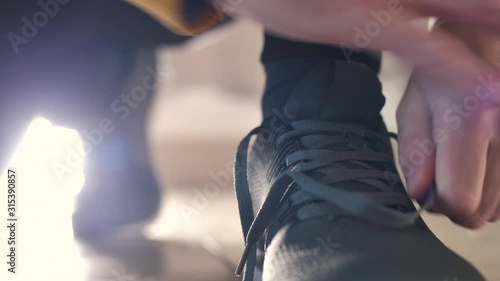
(196, 235)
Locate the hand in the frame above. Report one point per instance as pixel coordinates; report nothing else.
(450, 135)
(377, 24)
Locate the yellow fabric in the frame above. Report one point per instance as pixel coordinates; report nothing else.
(170, 14)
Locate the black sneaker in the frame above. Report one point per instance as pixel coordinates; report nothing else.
(320, 195)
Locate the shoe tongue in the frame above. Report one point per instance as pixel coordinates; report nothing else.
(340, 92)
(337, 91)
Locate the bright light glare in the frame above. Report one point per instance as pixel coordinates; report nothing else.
(45, 202)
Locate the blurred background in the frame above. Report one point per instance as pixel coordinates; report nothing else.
(208, 99)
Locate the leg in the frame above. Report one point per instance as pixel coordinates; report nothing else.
(279, 53)
(35, 61)
(121, 188)
(72, 72)
(320, 189)
(80, 93)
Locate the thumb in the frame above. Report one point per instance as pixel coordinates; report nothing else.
(417, 149)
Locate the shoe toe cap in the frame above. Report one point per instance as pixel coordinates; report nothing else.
(350, 249)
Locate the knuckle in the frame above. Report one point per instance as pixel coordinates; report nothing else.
(494, 219)
(483, 121)
(473, 223)
(460, 205)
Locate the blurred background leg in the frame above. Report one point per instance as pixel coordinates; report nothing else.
(120, 187)
(71, 70)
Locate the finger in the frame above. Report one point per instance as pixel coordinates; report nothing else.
(442, 55)
(369, 25)
(460, 172)
(490, 203)
(416, 147)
